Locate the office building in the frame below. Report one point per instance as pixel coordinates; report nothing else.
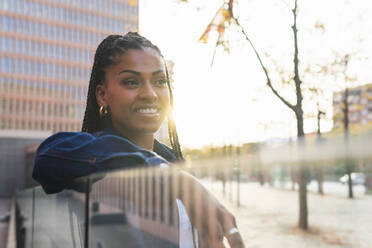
(360, 106)
(46, 54)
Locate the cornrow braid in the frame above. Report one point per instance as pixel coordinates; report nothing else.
(106, 55)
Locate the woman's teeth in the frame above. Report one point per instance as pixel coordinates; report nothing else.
(147, 110)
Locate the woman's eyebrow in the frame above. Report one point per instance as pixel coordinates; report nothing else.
(158, 71)
(138, 73)
(130, 71)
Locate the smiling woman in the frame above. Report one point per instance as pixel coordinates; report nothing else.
(129, 97)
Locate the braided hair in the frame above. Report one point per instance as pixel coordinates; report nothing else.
(106, 55)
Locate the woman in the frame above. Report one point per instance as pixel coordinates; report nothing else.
(129, 96)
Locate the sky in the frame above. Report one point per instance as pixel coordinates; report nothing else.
(229, 101)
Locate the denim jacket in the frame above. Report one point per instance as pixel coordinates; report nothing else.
(65, 156)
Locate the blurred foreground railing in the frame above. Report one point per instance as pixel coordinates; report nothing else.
(142, 208)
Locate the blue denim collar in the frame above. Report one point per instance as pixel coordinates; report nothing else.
(159, 148)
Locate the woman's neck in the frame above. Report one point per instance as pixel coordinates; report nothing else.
(143, 140)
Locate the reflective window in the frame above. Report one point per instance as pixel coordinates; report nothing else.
(5, 44)
(11, 45)
(32, 48)
(4, 66)
(25, 87)
(26, 27)
(44, 50)
(19, 46)
(19, 28)
(32, 68)
(25, 8)
(38, 49)
(37, 69)
(5, 23)
(3, 105)
(6, 4)
(45, 30)
(12, 6)
(44, 69)
(20, 4)
(62, 52)
(25, 67)
(32, 28)
(56, 52)
(50, 70)
(38, 29)
(11, 65)
(68, 73)
(51, 31)
(18, 66)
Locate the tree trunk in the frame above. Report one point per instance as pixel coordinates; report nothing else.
(302, 175)
(320, 179)
(319, 169)
(346, 130)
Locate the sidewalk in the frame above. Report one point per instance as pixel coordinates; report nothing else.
(4, 209)
(268, 217)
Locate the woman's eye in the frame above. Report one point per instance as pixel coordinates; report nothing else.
(160, 82)
(130, 82)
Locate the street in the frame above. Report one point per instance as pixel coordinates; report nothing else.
(268, 215)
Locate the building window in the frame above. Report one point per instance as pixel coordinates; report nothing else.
(25, 46)
(26, 27)
(19, 46)
(25, 91)
(25, 67)
(50, 70)
(25, 8)
(32, 28)
(17, 106)
(32, 68)
(11, 65)
(32, 48)
(3, 105)
(5, 23)
(6, 4)
(19, 26)
(5, 44)
(18, 66)
(4, 66)
(56, 51)
(38, 49)
(44, 69)
(10, 106)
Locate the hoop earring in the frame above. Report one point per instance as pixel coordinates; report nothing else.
(102, 112)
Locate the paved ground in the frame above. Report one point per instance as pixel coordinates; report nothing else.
(4, 208)
(268, 216)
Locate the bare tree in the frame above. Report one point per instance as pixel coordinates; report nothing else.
(225, 16)
(297, 108)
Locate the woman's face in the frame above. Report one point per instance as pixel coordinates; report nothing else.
(136, 93)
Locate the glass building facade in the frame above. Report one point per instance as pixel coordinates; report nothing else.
(46, 54)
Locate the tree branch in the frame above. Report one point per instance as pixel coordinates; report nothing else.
(288, 104)
(296, 78)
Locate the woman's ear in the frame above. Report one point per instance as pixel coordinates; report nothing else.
(101, 95)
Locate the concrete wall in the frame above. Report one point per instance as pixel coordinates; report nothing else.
(13, 169)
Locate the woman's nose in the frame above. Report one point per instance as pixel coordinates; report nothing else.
(148, 92)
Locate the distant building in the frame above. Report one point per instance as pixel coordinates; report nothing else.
(46, 54)
(360, 106)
